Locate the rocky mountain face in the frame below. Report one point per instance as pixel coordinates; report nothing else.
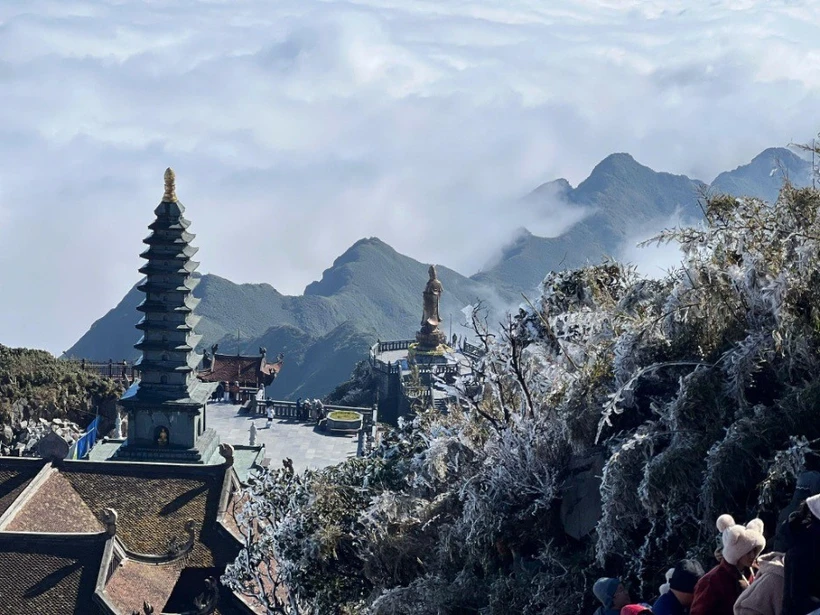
(371, 291)
(626, 200)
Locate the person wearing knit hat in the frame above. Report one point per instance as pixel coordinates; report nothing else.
(612, 595)
(682, 581)
(636, 609)
(801, 571)
(717, 591)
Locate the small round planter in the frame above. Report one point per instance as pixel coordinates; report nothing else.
(344, 421)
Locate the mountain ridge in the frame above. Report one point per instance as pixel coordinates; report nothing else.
(372, 291)
(619, 193)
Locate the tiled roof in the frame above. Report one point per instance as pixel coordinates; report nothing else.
(49, 575)
(233, 368)
(15, 475)
(134, 583)
(271, 369)
(153, 503)
(54, 507)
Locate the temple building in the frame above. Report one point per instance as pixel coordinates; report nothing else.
(167, 405)
(252, 372)
(104, 538)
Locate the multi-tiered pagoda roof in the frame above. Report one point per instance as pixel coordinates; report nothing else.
(168, 383)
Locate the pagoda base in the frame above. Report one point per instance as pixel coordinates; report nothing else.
(202, 453)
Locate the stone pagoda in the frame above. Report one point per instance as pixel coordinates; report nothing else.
(167, 405)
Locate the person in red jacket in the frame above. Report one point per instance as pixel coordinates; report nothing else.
(717, 590)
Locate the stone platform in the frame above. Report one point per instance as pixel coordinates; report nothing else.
(302, 442)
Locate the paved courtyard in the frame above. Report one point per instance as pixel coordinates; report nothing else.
(306, 446)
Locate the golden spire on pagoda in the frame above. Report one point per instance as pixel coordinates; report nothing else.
(170, 195)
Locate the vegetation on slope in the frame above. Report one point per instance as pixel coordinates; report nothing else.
(700, 390)
(33, 384)
(359, 390)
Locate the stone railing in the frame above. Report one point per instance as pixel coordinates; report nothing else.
(287, 410)
(442, 369)
(472, 351)
(379, 347)
(385, 368)
(394, 345)
(424, 393)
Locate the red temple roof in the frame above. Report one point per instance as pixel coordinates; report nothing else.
(249, 371)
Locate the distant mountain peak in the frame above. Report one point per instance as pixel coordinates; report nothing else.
(556, 188)
(369, 241)
(618, 160)
(763, 176)
(335, 277)
(775, 152)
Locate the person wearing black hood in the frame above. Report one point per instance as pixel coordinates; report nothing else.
(681, 589)
(808, 484)
(801, 574)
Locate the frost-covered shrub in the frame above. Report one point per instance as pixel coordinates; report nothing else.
(700, 390)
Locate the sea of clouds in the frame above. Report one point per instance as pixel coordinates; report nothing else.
(297, 127)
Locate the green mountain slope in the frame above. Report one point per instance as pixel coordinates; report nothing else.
(625, 197)
(371, 291)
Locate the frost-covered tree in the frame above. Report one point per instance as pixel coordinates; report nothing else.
(700, 390)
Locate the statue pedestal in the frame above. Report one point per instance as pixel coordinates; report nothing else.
(429, 341)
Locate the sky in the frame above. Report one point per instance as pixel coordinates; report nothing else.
(296, 127)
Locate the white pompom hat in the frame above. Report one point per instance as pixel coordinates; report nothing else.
(664, 589)
(739, 540)
(814, 505)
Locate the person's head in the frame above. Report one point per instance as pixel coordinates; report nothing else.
(683, 580)
(622, 597)
(635, 609)
(741, 544)
(611, 593)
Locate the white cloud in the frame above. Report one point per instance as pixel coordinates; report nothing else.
(297, 127)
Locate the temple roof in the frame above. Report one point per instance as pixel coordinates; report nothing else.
(15, 475)
(54, 506)
(53, 544)
(196, 396)
(48, 574)
(241, 368)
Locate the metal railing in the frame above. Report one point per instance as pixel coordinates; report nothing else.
(110, 369)
(86, 442)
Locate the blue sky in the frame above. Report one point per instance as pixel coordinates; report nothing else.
(298, 127)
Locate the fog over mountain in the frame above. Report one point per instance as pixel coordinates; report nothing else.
(298, 127)
(373, 292)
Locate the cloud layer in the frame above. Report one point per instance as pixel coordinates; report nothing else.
(297, 127)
